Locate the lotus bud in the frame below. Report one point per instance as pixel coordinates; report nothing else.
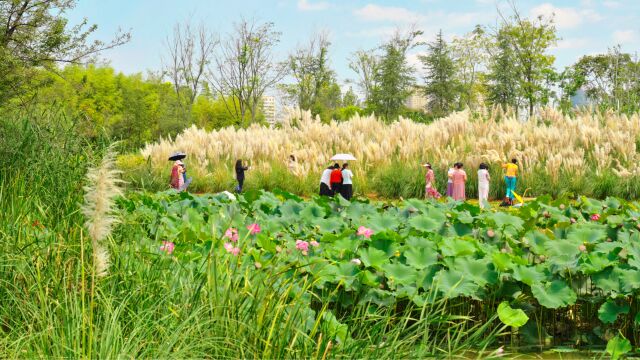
(278, 248)
(546, 214)
(542, 257)
(582, 248)
(491, 233)
(609, 239)
(572, 220)
(562, 207)
(257, 265)
(504, 250)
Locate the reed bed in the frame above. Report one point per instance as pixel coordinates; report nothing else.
(589, 153)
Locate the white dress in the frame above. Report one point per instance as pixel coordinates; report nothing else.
(483, 187)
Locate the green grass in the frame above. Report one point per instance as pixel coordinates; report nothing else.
(153, 306)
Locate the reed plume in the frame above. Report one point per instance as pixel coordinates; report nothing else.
(99, 198)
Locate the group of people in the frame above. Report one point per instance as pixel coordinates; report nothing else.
(457, 179)
(336, 180)
(339, 180)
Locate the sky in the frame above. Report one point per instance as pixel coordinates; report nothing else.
(584, 26)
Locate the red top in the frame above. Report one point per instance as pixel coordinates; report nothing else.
(336, 176)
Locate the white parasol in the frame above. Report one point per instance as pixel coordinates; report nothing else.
(343, 157)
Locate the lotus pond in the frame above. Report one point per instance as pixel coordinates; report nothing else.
(444, 276)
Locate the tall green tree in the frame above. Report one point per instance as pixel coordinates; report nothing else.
(245, 67)
(441, 86)
(35, 34)
(315, 87)
(610, 81)
(471, 59)
(531, 41)
(503, 75)
(394, 77)
(365, 64)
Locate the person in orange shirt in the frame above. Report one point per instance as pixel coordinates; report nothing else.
(510, 179)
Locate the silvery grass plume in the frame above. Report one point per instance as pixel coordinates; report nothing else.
(100, 192)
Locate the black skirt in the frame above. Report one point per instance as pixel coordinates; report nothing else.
(335, 188)
(325, 190)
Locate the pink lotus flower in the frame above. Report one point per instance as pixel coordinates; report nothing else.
(167, 246)
(232, 249)
(314, 243)
(356, 261)
(302, 245)
(595, 217)
(254, 228)
(366, 232)
(231, 234)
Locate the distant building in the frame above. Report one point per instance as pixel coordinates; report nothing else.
(269, 109)
(417, 100)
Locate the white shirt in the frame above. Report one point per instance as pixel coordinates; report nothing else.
(449, 173)
(346, 177)
(483, 177)
(326, 177)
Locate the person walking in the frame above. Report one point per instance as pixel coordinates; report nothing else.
(336, 179)
(325, 182)
(450, 181)
(346, 189)
(240, 169)
(430, 191)
(458, 179)
(510, 179)
(483, 185)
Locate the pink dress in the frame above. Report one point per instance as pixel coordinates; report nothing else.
(459, 178)
(430, 191)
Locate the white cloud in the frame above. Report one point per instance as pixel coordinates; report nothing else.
(305, 5)
(372, 12)
(565, 17)
(624, 36)
(611, 4)
(574, 43)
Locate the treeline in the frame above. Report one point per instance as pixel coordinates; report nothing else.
(214, 81)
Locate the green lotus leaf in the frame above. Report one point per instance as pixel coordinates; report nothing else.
(510, 316)
(373, 257)
(346, 272)
(618, 346)
(478, 270)
(458, 246)
(537, 241)
(607, 281)
(591, 234)
(358, 211)
(595, 262)
(401, 274)
(436, 214)
(504, 220)
(563, 253)
(424, 223)
(630, 279)
(329, 225)
(465, 217)
(370, 279)
(529, 275)
(609, 311)
(554, 294)
(291, 209)
(312, 212)
(502, 261)
(421, 257)
(383, 221)
(607, 247)
(334, 328)
(453, 283)
(414, 241)
(614, 220)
